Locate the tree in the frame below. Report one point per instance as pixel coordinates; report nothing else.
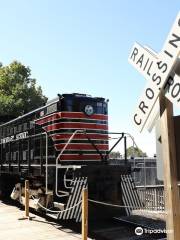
(135, 152)
(115, 155)
(19, 93)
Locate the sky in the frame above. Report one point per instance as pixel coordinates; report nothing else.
(83, 46)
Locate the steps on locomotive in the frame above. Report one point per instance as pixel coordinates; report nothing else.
(52, 215)
(64, 193)
(59, 205)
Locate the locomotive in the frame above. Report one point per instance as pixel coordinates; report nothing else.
(61, 148)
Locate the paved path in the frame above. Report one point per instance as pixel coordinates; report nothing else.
(12, 228)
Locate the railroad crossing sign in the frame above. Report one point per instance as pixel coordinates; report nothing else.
(158, 69)
(163, 74)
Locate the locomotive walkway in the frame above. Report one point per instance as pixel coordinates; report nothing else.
(12, 227)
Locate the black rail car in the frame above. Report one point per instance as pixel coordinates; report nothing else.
(60, 148)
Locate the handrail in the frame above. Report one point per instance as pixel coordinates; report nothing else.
(46, 163)
(59, 156)
(153, 186)
(150, 186)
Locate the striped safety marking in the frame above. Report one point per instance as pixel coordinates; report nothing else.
(80, 136)
(78, 146)
(57, 126)
(76, 115)
(77, 151)
(77, 157)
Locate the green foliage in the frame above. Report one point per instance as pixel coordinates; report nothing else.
(135, 152)
(18, 91)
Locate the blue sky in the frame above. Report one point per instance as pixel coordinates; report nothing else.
(83, 46)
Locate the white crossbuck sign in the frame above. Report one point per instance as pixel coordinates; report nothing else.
(160, 71)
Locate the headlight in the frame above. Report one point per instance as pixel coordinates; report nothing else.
(89, 110)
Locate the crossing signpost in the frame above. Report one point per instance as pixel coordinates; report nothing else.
(163, 82)
(143, 60)
(172, 86)
(156, 69)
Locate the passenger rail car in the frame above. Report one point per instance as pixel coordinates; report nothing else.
(60, 147)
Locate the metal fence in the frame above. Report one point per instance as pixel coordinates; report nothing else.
(145, 171)
(152, 197)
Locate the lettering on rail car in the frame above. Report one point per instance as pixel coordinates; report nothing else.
(14, 137)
